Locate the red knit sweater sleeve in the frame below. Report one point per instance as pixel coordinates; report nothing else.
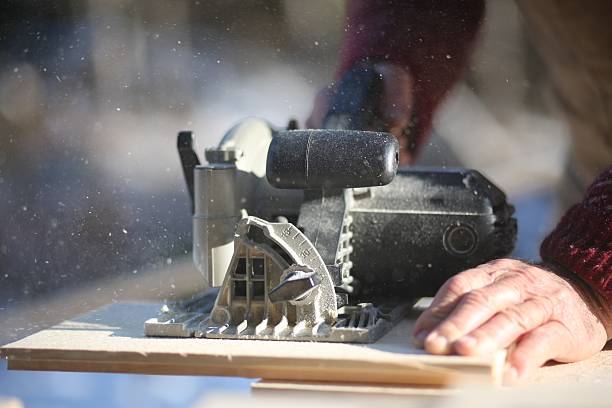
(432, 40)
(582, 241)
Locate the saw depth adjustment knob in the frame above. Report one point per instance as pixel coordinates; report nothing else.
(298, 282)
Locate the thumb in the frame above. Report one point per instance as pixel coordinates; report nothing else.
(397, 95)
(320, 107)
(397, 103)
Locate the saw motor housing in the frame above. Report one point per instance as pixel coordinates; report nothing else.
(316, 234)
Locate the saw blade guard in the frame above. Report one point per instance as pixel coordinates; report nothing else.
(276, 283)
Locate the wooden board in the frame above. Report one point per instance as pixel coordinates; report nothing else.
(111, 340)
(590, 372)
(278, 387)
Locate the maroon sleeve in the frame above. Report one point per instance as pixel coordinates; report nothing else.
(582, 242)
(432, 40)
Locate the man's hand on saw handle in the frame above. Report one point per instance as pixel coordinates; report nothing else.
(509, 302)
(396, 103)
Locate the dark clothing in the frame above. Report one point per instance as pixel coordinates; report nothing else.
(432, 40)
(582, 241)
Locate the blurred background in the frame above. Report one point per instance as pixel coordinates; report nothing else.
(93, 207)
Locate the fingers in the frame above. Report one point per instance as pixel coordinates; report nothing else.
(397, 101)
(505, 327)
(474, 309)
(397, 97)
(319, 108)
(447, 297)
(536, 348)
(492, 306)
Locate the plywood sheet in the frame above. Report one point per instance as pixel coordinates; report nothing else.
(111, 340)
(281, 387)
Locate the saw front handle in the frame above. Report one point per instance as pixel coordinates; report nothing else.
(316, 159)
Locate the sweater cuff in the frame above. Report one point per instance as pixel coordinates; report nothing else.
(582, 242)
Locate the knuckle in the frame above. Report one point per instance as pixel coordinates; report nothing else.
(532, 275)
(502, 263)
(546, 307)
(534, 272)
(563, 294)
(515, 318)
(566, 293)
(450, 327)
(458, 284)
(509, 276)
(520, 359)
(528, 278)
(478, 298)
(438, 312)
